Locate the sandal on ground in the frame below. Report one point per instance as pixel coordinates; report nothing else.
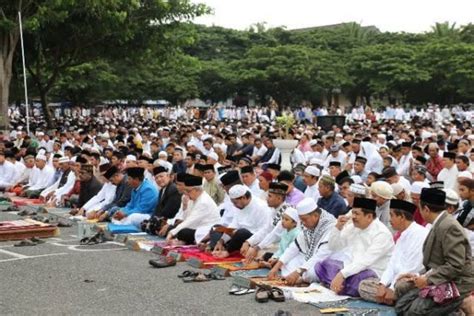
(262, 295)
(234, 289)
(25, 243)
(214, 276)
(201, 277)
(37, 240)
(187, 274)
(84, 241)
(277, 294)
(244, 292)
(162, 262)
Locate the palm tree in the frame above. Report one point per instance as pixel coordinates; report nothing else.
(445, 29)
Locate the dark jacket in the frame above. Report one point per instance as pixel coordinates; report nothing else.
(169, 203)
(123, 194)
(88, 190)
(447, 253)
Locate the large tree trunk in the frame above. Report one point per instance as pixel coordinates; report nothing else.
(46, 110)
(8, 43)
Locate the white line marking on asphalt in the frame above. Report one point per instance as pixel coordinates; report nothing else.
(13, 254)
(34, 257)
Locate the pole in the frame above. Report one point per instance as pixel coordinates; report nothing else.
(24, 75)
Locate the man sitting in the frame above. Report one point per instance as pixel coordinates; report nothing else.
(143, 201)
(211, 186)
(200, 215)
(252, 214)
(447, 260)
(298, 261)
(369, 242)
(271, 233)
(330, 200)
(40, 178)
(407, 255)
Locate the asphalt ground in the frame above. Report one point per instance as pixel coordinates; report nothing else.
(60, 277)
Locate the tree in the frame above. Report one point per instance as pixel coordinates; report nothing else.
(60, 34)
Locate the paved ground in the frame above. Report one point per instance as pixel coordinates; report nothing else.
(60, 277)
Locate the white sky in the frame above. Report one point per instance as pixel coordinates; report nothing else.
(387, 15)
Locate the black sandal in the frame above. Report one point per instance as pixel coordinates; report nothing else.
(277, 294)
(187, 274)
(215, 276)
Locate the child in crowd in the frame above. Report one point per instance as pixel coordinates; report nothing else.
(290, 223)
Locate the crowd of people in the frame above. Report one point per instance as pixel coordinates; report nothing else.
(379, 208)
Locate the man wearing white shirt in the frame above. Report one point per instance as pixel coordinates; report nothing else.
(104, 197)
(310, 246)
(404, 163)
(249, 178)
(407, 256)
(7, 172)
(253, 213)
(370, 244)
(449, 174)
(201, 215)
(270, 233)
(52, 195)
(40, 177)
(258, 150)
(310, 177)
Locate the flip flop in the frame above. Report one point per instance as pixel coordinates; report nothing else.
(277, 295)
(244, 292)
(25, 243)
(201, 277)
(262, 295)
(187, 274)
(215, 276)
(84, 241)
(234, 289)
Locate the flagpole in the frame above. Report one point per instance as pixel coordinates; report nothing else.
(24, 75)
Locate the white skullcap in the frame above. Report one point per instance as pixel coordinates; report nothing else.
(40, 134)
(358, 189)
(293, 214)
(40, 157)
(382, 189)
(313, 142)
(63, 160)
(73, 159)
(471, 137)
(312, 170)
(213, 155)
(357, 179)
(163, 153)
(397, 188)
(417, 186)
(339, 135)
(452, 198)
(306, 206)
(383, 136)
(238, 191)
(131, 158)
(465, 174)
(41, 152)
(153, 135)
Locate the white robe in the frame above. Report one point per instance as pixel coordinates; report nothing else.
(407, 256)
(370, 248)
(201, 216)
(40, 178)
(449, 177)
(104, 197)
(312, 192)
(7, 174)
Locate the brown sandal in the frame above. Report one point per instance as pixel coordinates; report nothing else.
(277, 294)
(262, 295)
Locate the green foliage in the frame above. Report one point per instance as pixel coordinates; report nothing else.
(286, 121)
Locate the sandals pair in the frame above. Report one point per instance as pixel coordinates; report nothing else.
(29, 242)
(193, 276)
(238, 290)
(264, 294)
(98, 238)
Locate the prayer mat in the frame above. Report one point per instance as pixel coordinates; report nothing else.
(20, 201)
(226, 268)
(122, 229)
(23, 229)
(201, 259)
